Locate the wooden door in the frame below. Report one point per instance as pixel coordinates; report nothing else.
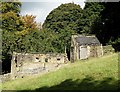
(83, 52)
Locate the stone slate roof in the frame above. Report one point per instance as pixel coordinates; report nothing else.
(87, 40)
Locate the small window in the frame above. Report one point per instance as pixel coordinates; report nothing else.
(37, 58)
(58, 59)
(46, 59)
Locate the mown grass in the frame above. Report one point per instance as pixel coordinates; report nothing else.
(93, 74)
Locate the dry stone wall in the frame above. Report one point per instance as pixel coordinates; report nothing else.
(5, 77)
(25, 64)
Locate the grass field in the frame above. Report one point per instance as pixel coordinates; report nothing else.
(93, 74)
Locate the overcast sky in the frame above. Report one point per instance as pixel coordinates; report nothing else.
(41, 8)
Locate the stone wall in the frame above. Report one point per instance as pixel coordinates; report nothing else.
(108, 50)
(95, 50)
(25, 64)
(5, 77)
(100, 51)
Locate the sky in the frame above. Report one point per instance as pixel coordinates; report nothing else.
(41, 8)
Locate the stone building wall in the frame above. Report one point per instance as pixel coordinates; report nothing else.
(92, 50)
(100, 50)
(25, 64)
(108, 49)
(95, 51)
(5, 77)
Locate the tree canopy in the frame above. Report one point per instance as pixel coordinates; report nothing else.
(106, 27)
(63, 21)
(10, 6)
(10, 18)
(91, 13)
(63, 17)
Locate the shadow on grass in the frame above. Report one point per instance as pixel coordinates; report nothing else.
(88, 84)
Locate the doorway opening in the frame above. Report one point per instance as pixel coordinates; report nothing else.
(6, 64)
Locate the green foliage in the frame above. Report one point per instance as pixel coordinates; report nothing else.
(106, 26)
(10, 6)
(101, 19)
(116, 44)
(37, 41)
(8, 44)
(63, 21)
(34, 41)
(91, 13)
(65, 16)
(11, 21)
(29, 22)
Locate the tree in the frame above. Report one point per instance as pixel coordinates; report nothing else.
(63, 21)
(29, 22)
(107, 26)
(35, 41)
(64, 16)
(11, 22)
(10, 6)
(10, 18)
(91, 13)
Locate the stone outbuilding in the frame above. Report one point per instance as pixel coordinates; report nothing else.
(83, 47)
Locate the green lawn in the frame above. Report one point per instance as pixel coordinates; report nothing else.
(93, 74)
